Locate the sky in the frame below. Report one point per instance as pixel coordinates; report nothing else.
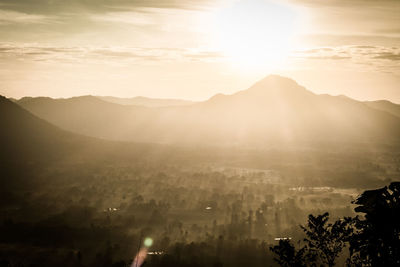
(194, 49)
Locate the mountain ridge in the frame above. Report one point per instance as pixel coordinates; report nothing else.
(385, 105)
(146, 101)
(275, 108)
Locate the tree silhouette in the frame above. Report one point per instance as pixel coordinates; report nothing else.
(376, 241)
(323, 243)
(287, 255)
(326, 240)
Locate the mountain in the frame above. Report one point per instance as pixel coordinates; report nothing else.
(146, 101)
(83, 115)
(29, 143)
(274, 110)
(24, 136)
(34, 152)
(27, 140)
(385, 105)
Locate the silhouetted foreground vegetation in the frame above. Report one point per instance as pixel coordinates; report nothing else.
(372, 241)
(83, 236)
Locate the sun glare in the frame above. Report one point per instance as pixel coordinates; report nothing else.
(255, 33)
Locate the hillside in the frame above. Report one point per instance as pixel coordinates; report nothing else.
(275, 109)
(24, 136)
(385, 105)
(146, 101)
(30, 144)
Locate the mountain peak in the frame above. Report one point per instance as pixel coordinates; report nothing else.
(274, 85)
(271, 87)
(276, 78)
(275, 81)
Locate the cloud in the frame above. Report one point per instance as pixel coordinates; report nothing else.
(389, 56)
(12, 17)
(132, 17)
(323, 53)
(48, 20)
(344, 3)
(360, 54)
(93, 54)
(96, 6)
(351, 52)
(334, 57)
(380, 58)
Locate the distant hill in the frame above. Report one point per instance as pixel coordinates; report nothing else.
(34, 152)
(88, 114)
(32, 147)
(275, 109)
(146, 101)
(28, 141)
(385, 105)
(24, 136)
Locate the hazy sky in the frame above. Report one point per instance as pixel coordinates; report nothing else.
(193, 49)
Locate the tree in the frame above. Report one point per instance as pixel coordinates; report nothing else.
(326, 240)
(376, 241)
(287, 255)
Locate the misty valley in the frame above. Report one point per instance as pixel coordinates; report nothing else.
(270, 176)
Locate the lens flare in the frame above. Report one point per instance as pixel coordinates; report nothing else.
(148, 242)
(140, 257)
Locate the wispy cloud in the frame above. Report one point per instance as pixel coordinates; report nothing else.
(138, 21)
(128, 17)
(355, 52)
(389, 56)
(380, 58)
(12, 17)
(97, 6)
(92, 54)
(345, 3)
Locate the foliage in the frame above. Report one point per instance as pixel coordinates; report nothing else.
(323, 243)
(326, 240)
(287, 255)
(376, 241)
(373, 240)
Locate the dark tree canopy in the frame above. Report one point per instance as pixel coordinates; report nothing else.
(373, 240)
(377, 238)
(287, 255)
(326, 240)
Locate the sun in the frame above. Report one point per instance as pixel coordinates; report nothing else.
(255, 33)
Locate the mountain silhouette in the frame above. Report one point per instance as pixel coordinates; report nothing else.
(146, 101)
(30, 142)
(385, 105)
(24, 136)
(275, 109)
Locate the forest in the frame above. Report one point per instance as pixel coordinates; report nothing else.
(102, 215)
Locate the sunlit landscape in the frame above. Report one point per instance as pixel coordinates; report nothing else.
(216, 133)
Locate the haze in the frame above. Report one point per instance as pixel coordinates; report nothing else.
(195, 49)
(199, 133)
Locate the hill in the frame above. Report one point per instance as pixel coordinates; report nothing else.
(274, 110)
(25, 136)
(385, 105)
(37, 152)
(146, 101)
(30, 145)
